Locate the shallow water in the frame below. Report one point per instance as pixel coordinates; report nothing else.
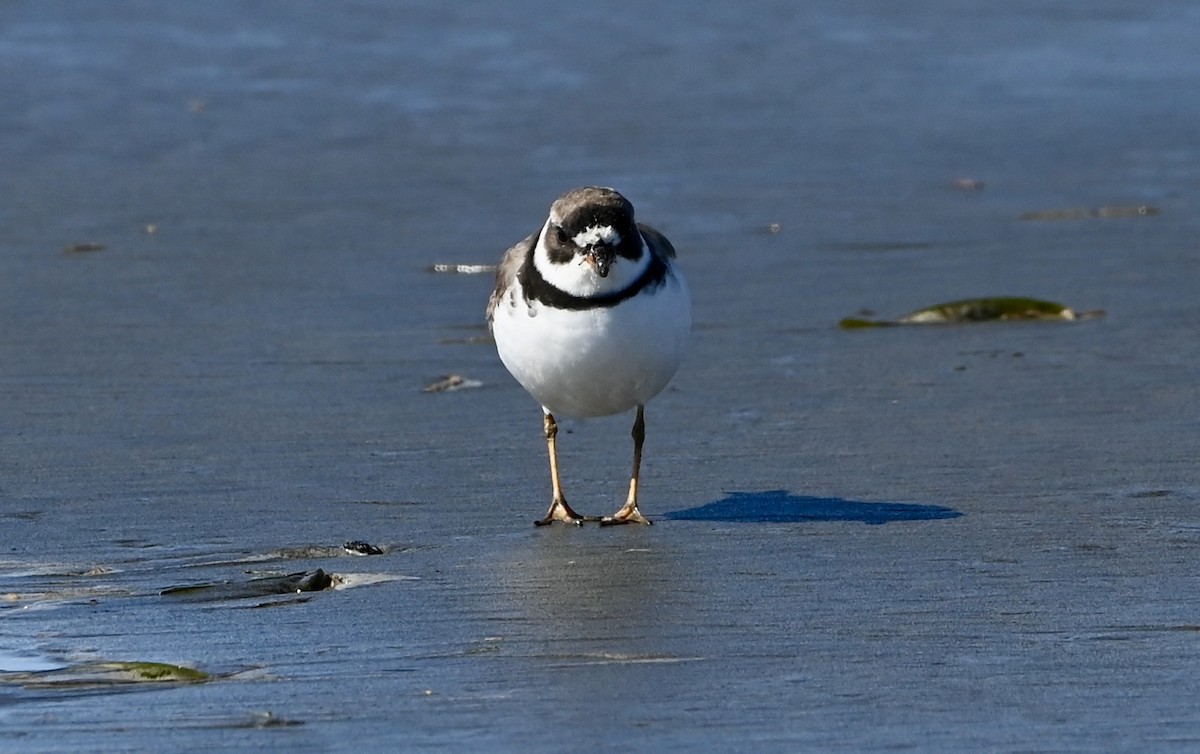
(940, 538)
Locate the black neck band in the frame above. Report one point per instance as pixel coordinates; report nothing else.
(537, 288)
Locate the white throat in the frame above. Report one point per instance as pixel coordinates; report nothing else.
(577, 277)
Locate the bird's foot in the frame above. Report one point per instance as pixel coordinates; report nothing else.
(629, 514)
(560, 511)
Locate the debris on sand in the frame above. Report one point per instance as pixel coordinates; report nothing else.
(991, 309)
(450, 382)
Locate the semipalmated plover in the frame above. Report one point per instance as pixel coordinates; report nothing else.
(592, 317)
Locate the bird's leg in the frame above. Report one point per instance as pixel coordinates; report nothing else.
(559, 510)
(629, 513)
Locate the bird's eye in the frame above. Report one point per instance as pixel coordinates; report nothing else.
(561, 236)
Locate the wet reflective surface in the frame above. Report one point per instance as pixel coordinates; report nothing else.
(221, 307)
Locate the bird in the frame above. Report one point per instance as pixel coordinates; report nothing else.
(592, 316)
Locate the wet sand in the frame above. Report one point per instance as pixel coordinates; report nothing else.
(938, 538)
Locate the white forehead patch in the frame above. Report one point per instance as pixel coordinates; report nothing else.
(597, 234)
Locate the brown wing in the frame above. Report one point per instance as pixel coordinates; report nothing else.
(658, 243)
(506, 273)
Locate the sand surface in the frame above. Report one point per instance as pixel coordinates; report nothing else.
(961, 538)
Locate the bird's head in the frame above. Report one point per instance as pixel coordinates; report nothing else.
(594, 227)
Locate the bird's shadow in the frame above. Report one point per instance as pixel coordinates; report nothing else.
(780, 506)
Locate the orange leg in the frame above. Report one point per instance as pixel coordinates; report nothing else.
(559, 510)
(629, 513)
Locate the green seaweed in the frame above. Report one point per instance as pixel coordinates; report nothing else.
(987, 309)
(857, 323)
(157, 671)
(105, 674)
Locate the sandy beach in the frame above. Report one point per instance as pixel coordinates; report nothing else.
(219, 316)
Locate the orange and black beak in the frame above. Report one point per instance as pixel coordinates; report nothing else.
(600, 258)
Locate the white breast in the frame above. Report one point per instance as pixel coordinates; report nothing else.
(595, 362)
